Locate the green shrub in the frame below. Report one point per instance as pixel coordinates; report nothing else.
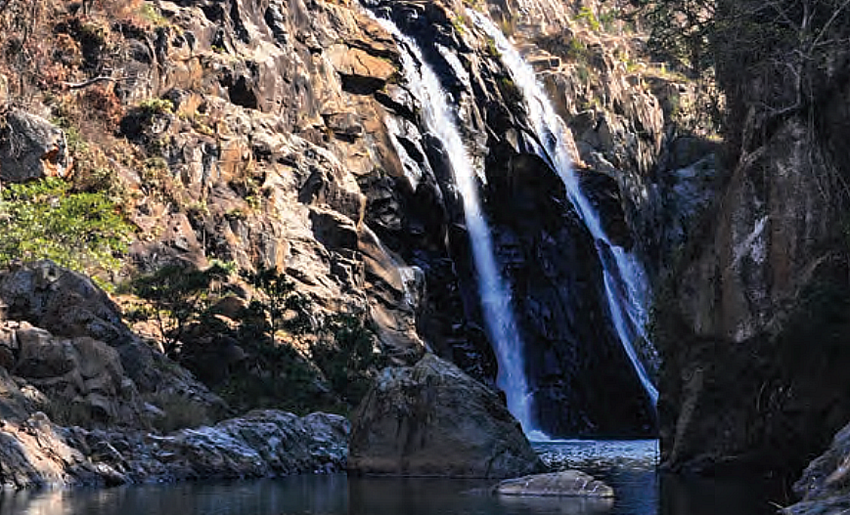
(276, 376)
(83, 231)
(154, 106)
(285, 308)
(586, 15)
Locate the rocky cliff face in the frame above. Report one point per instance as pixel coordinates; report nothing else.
(753, 317)
(374, 218)
(280, 134)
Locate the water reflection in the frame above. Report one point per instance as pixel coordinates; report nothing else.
(319, 495)
(639, 491)
(562, 506)
(705, 496)
(420, 496)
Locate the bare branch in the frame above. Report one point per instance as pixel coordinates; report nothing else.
(90, 82)
(829, 22)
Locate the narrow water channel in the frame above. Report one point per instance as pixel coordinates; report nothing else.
(628, 466)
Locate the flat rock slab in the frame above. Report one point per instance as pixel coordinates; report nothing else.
(569, 483)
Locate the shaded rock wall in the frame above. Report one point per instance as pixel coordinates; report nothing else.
(753, 318)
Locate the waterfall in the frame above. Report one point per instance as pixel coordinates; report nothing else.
(439, 119)
(626, 287)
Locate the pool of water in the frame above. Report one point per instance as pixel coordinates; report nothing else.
(628, 466)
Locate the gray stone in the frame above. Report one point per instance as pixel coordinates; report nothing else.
(31, 148)
(825, 484)
(431, 419)
(567, 483)
(36, 452)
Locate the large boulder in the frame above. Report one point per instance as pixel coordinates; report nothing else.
(35, 453)
(65, 304)
(261, 443)
(31, 148)
(431, 419)
(61, 301)
(82, 377)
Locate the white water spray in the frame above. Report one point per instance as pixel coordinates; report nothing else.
(495, 296)
(626, 303)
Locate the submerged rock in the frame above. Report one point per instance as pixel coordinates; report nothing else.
(431, 419)
(567, 483)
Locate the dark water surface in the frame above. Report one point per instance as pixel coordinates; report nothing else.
(627, 466)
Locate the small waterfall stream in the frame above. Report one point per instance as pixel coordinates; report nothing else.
(499, 319)
(625, 284)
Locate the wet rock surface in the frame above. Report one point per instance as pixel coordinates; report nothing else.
(576, 365)
(568, 483)
(594, 456)
(823, 486)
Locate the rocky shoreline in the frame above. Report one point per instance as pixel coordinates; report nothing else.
(37, 453)
(85, 402)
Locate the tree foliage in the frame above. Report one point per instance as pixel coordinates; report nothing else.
(347, 356)
(83, 231)
(285, 308)
(772, 58)
(704, 33)
(679, 30)
(294, 357)
(179, 296)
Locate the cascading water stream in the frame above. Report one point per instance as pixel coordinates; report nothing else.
(495, 297)
(625, 284)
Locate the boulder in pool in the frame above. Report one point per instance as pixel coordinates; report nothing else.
(567, 483)
(431, 419)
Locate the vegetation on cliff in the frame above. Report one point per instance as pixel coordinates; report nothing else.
(125, 208)
(46, 220)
